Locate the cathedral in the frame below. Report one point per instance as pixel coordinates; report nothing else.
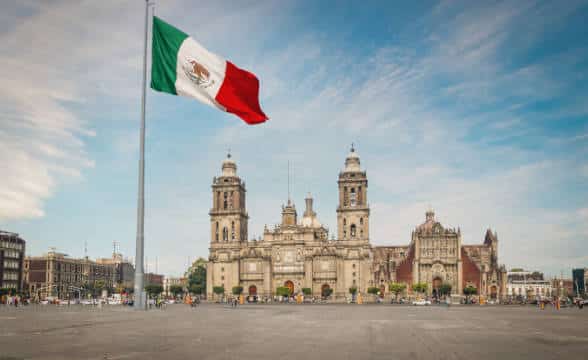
(298, 254)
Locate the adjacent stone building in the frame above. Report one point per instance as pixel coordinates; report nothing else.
(297, 253)
(58, 275)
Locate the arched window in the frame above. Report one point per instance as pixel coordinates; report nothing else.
(353, 197)
(344, 234)
(231, 200)
(216, 232)
(218, 200)
(225, 201)
(345, 196)
(359, 196)
(352, 230)
(360, 221)
(225, 234)
(232, 230)
(344, 222)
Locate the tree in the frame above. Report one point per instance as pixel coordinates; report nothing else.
(196, 289)
(327, 292)
(420, 287)
(397, 288)
(99, 284)
(175, 290)
(307, 291)
(153, 289)
(353, 290)
(445, 289)
(196, 275)
(237, 290)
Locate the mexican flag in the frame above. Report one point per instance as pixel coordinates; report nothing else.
(181, 66)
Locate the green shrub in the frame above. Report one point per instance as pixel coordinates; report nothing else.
(283, 291)
(373, 290)
(218, 290)
(397, 288)
(420, 287)
(307, 291)
(353, 290)
(327, 292)
(237, 290)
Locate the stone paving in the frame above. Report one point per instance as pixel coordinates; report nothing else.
(337, 331)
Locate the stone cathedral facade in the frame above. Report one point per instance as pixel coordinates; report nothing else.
(297, 253)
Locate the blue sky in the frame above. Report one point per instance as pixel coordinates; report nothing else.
(475, 108)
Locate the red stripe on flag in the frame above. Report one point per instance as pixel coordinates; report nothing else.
(239, 94)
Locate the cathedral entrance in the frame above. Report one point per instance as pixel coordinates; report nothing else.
(493, 292)
(290, 285)
(252, 290)
(436, 287)
(325, 290)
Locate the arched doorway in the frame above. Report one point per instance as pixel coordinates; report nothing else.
(437, 286)
(493, 292)
(290, 285)
(252, 290)
(382, 290)
(325, 290)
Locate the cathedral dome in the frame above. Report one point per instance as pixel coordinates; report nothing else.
(229, 166)
(352, 161)
(430, 222)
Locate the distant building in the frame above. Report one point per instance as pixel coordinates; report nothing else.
(57, 274)
(153, 279)
(562, 287)
(124, 270)
(171, 281)
(580, 281)
(529, 285)
(12, 254)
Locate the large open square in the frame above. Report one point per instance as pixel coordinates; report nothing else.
(214, 331)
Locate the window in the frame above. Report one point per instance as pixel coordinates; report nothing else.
(232, 230)
(344, 234)
(225, 201)
(216, 232)
(231, 200)
(353, 230)
(360, 221)
(353, 197)
(359, 199)
(353, 266)
(225, 234)
(344, 222)
(354, 274)
(345, 200)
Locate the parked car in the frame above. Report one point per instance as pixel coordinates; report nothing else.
(421, 302)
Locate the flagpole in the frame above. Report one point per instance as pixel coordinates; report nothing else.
(140, 303)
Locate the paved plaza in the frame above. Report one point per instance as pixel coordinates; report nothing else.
(214, 331)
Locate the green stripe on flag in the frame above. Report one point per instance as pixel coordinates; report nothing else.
(164, 55)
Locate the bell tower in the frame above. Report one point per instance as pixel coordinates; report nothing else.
(228, 215)
(353, 211)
